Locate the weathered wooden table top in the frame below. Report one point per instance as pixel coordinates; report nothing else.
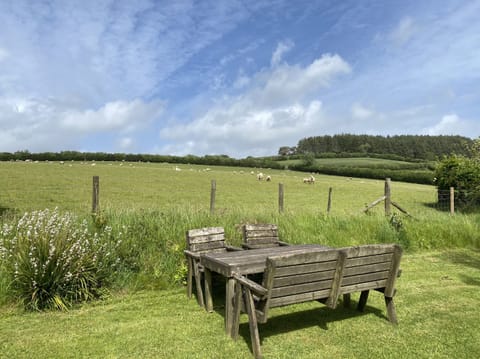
(250, 261)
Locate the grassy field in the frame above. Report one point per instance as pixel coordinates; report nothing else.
(361, 162)
(437, 307)
(27, 186)
(148, 314)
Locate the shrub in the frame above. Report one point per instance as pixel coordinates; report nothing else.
(53, 260)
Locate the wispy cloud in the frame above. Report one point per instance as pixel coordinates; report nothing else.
(278, 108)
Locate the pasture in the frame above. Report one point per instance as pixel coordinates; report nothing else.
(133, 186)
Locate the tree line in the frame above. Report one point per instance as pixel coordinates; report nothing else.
(407, 147)
(211, 160)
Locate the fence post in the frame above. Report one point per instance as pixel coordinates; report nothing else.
(96, 194)
(280, 197)
(329, 204)
(213, 191)
(452, 200)
(388, 199)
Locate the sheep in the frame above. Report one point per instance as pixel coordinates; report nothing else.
(309, 180)
(268, 178)
(260, 176)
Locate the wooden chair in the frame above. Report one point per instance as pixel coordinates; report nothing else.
(288, 280)
(201, 241)
(372, 267)
(260, 236)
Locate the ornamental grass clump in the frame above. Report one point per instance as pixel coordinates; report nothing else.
(53, 260)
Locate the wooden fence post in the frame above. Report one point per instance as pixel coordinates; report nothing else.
(329, 204)
(213, 191)
(280, 197)
(96, 194)
(388, 199)
(452, 200)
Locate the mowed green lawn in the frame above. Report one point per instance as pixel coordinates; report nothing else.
(437, 306)
(134, 186)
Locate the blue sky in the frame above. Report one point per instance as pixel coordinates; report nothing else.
(240, 78)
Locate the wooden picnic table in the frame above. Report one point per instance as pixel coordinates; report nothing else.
(242, 263)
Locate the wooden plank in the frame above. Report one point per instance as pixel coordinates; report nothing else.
(262, 233)
(337, 280)
(377, 267)
(306, 256)
(205, 231)
(393, 274)
(261, 240)
(363, 278)
(363, 286)
(260, 226)
(301, 288)
(206, 238)
(306, 268)
(303, 278)
(360, 261)
(198, 247)
(299, 298)
(369, 250)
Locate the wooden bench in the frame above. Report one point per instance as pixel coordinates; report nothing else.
(201, 241)
(372, 267)
(317, 275)
(260, 235)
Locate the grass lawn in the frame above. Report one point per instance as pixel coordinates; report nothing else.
(437, 307)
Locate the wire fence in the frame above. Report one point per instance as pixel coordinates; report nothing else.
(87, 195)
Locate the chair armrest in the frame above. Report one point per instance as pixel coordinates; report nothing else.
(250, 284)
(232, 248)
(192, 254)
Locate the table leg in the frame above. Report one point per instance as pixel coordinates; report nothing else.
(229, 307)
(208, 290)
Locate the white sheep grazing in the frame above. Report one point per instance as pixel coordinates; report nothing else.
(268, 178)
(260, 176)
(309, 180)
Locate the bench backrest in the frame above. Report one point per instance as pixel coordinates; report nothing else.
(302, 277)
(260, 235)
(206, 240)
(370, 267)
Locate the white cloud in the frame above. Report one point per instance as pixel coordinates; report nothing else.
(282, 48)
(118, 115)
(287, 83)
(449, 125)
(280, 107)
(52, 125)
(361, 112)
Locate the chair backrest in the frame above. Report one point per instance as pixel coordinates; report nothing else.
(208, 239)
(371, 267)
(302, 277)
(260, 235)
